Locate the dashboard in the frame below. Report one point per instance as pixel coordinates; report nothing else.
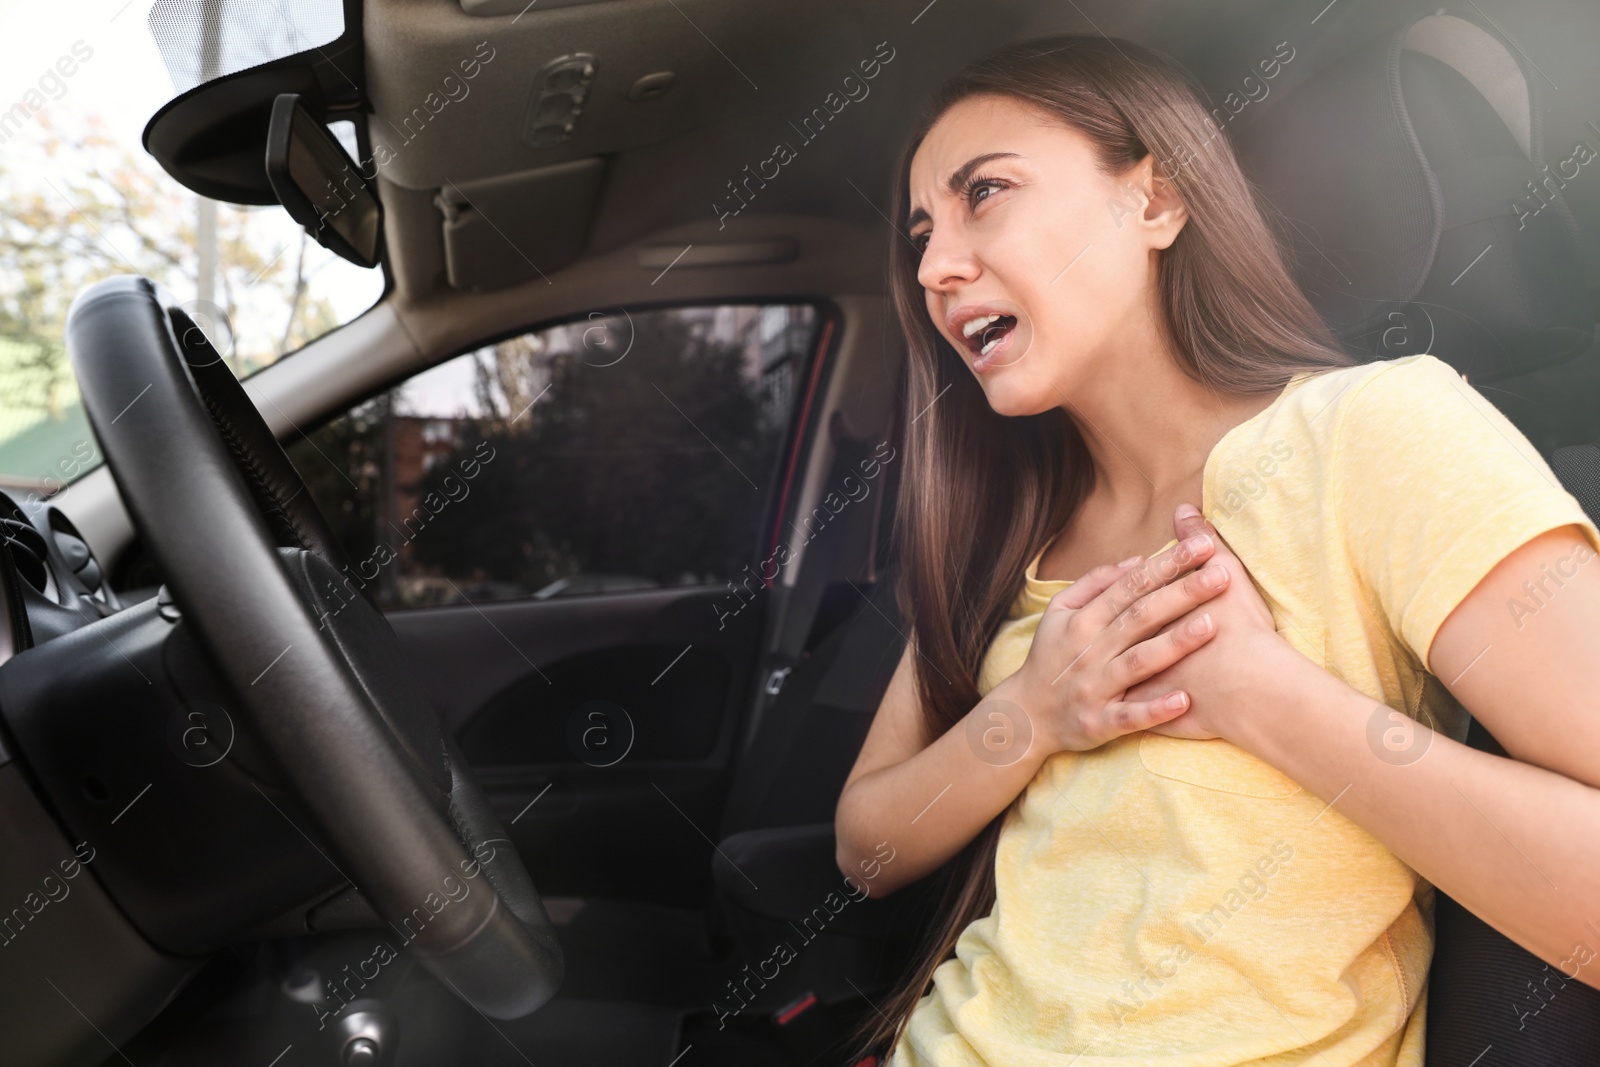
(53, 584)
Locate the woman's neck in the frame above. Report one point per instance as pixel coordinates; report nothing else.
(1149, 428)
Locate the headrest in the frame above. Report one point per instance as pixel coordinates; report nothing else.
(1409, 181)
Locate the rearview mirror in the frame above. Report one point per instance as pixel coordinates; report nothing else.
(320, 186)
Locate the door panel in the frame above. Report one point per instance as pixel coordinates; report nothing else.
(601, 727)
(604, 706)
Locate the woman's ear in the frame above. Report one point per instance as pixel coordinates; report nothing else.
(1164, 213)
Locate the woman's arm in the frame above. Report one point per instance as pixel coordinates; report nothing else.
(1513, 840)
(1484, 573)
(920, 800)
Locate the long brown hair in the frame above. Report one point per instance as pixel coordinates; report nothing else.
(982, 493)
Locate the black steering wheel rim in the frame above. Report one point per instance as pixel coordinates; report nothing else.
(215, 500)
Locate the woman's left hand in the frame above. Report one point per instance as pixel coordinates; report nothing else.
(1218, 675)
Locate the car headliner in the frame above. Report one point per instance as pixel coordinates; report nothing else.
(745, 72)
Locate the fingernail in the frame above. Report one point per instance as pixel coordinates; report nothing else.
(1198, 543)
(1177, 700)
(1187, 510)
(1201, 626)
(1130, 560)
(1211, 577)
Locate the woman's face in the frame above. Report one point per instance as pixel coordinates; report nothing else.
(1036, 266)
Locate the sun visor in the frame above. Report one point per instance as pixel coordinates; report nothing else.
(503, 231)
(1409, 182)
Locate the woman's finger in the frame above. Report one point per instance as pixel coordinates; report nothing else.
(1091, 585)
(1188, 522)
(1130, 716)
(1149, 658)
(1142, 579)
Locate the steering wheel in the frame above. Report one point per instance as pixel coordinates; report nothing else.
(250, 563)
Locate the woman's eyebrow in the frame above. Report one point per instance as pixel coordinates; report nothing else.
(959, 179)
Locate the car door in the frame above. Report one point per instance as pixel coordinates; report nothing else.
(561, 527)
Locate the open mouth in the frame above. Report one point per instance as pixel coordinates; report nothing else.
(986, 333)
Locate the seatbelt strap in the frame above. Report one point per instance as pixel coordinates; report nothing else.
(828, 535)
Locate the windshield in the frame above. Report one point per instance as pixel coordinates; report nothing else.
(84, 202)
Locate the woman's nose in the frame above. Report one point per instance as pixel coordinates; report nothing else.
(946, 262)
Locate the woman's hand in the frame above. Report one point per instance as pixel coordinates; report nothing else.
(1099, 637)
(1216, 677)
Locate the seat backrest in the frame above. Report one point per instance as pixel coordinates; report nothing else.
(1408, 181)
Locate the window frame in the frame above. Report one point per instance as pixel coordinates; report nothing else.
(799, 434)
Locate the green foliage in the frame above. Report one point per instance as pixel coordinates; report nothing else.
(102, 211)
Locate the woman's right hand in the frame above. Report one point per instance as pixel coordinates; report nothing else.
(1101, 636)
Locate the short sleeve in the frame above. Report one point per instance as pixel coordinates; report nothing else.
(1435, 487)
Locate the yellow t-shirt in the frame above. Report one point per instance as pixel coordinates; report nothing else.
(1182, 902)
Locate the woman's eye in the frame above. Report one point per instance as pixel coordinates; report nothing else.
(919, 241)
(981, 190)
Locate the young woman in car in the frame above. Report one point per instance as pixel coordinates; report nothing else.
(1198, 823)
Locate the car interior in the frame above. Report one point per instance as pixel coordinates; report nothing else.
(288, 671)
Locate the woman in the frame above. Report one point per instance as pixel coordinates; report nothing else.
(1197, 811)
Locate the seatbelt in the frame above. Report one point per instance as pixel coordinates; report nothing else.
(830, 536)
(824, 546)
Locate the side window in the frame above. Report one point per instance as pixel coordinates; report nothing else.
(615, 452)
